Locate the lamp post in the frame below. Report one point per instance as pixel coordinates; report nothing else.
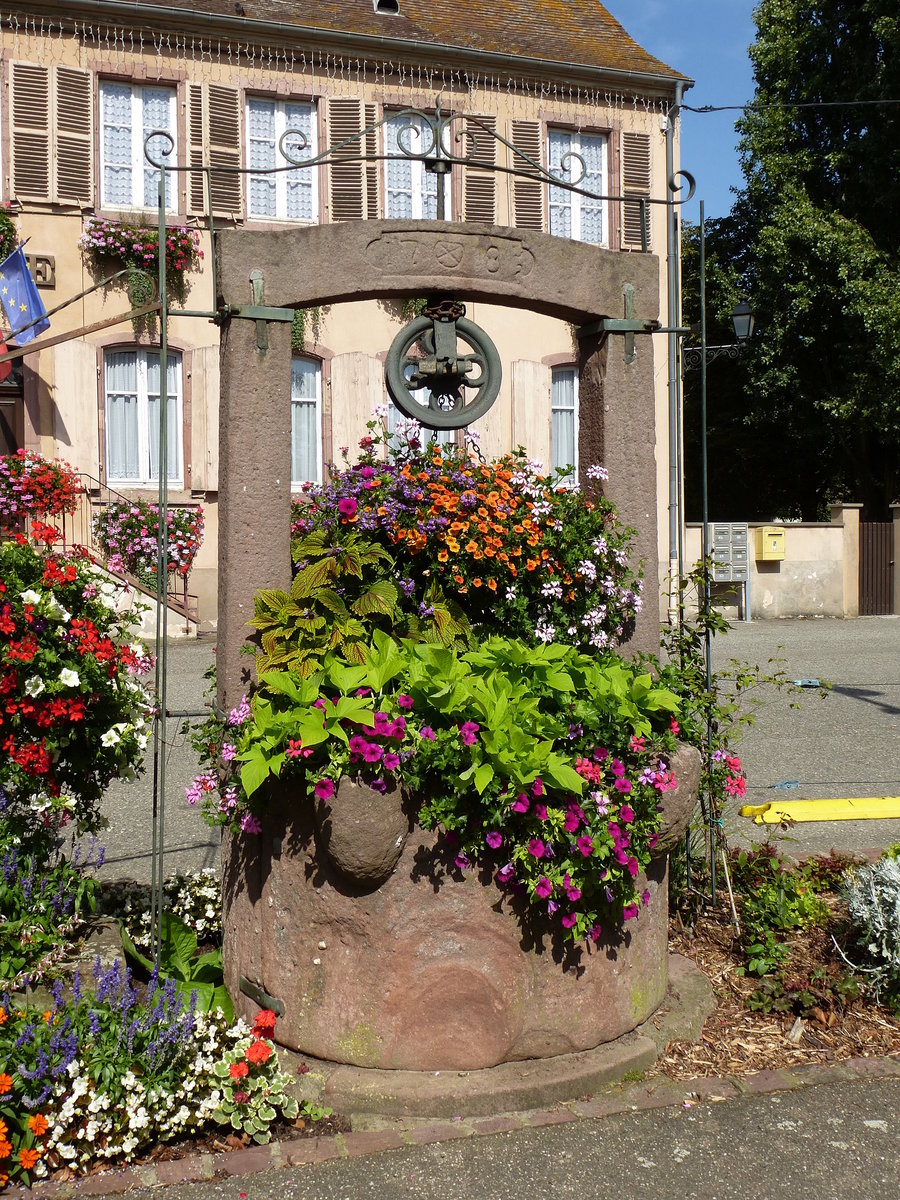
(692, 357)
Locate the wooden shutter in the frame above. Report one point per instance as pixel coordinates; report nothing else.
(196, 180)
(348, 182)
(74, 124)
(373, 164)
(479, 185)
(635, 182)
(527, 194)
(224, 115)
(30, 141)
(214, 140)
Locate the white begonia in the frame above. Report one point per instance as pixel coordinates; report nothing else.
(69, 678)
(34, 685)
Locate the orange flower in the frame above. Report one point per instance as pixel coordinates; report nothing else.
(2, 1016)
(5, 1149)
(471, 547)
(442, 556)
(38, 1124)
(3, 1128)
(28, 1158)
(458, 578)
(5, 1083)
(532, 564)
(476, 582)
(492, 584)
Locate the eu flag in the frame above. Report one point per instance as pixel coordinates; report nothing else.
(20, 299)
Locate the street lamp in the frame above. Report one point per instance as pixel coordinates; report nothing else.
(743, 320)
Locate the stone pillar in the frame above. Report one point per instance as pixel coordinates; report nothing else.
(847, 515)
(895, 513)
(617, 413)
(255, 497)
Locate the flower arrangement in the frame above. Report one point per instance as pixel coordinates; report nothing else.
(101, 1076)
(31, 485)
(75, 713)
(126, 532)
(137, 245)
(542, 764)
(522, 552)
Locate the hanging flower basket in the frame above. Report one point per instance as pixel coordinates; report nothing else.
(126, 532)
(31, 485)
(107, 244)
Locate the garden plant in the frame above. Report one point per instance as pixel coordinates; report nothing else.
(103, 1065)
(451, 630)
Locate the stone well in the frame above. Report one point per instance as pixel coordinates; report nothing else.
(383, 955)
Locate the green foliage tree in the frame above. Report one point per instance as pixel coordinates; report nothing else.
(812, 240)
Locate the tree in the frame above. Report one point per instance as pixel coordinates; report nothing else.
(813, 240)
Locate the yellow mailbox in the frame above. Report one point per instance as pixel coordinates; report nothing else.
(769, 543)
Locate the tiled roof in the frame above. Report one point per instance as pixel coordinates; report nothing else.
(580, 32)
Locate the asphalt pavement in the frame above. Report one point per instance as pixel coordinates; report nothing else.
(806, 746)
(828, 1142)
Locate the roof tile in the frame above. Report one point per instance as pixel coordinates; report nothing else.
(579, 32)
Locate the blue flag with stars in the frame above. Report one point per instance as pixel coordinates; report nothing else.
(19, 296)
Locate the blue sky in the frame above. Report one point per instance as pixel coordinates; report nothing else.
(706, 40)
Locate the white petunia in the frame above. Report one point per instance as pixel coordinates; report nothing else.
(69, 678)
(110, 738)
(34, 686)
(31, 597)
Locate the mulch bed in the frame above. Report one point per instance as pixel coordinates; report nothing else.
(738, 1041)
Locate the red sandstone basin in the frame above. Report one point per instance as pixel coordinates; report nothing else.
(426, 970)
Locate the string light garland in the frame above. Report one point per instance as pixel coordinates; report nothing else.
(183, 50)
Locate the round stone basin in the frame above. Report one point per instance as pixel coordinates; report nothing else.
(420, 967)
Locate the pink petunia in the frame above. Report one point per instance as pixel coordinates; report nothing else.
(521, 804)
(585, 845)
(494, 839)
(467, 732)
(544, 888)
(537, 849)
(324, 789)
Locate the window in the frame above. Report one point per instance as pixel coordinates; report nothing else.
(306, 421)
(572, 215)
(131, 387)
(287, 195)
(410, 191)
(564, 428)
(127, 114)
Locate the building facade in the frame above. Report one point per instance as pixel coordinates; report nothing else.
(83, 84)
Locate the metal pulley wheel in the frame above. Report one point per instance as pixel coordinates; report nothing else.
(431, 380)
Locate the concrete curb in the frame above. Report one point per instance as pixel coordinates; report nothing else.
(655, 1092)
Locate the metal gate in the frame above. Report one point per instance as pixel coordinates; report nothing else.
(876, 568)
